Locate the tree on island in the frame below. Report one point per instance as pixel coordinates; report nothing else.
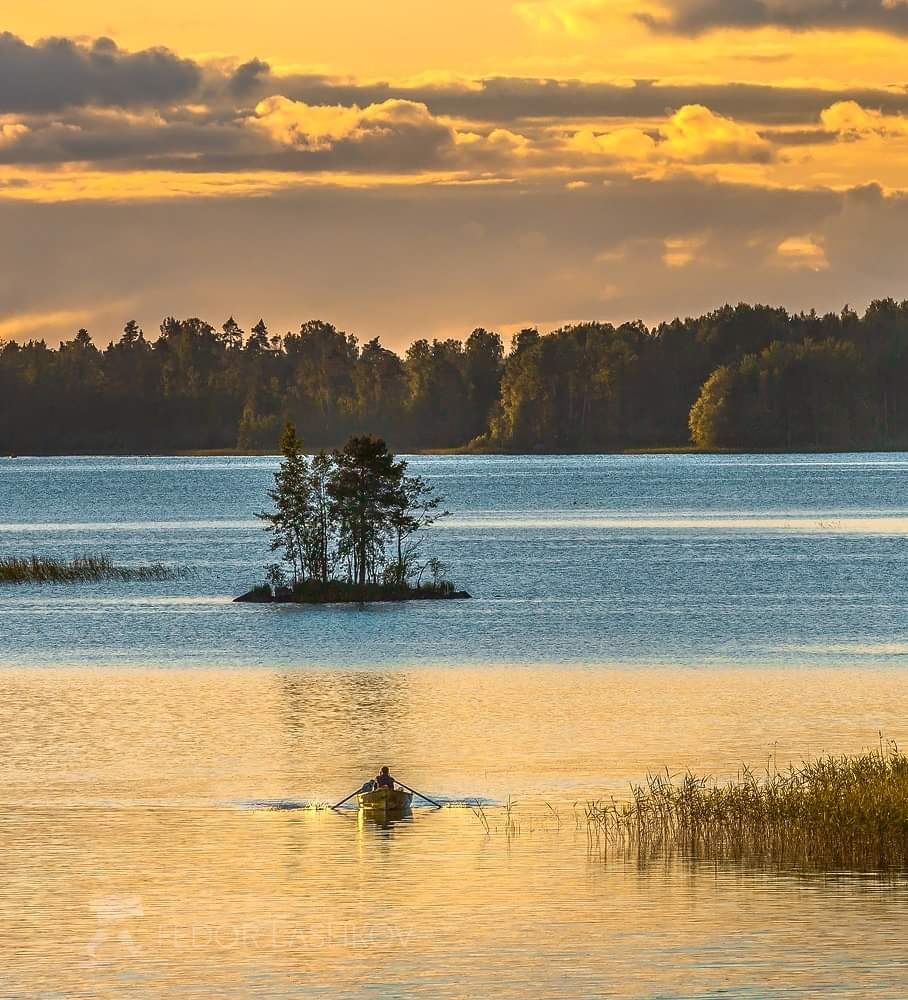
(349, 517)
(416, 506)
(364, 486)
(288, 523)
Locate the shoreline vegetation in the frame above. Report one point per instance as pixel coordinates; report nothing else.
(346, 527)
(81, 569)
(744, 378)
(831, 813)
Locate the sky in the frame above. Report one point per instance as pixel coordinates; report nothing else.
(410, 170)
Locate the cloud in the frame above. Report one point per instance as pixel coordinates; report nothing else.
(279, 136)
(363, 246)
(572, 16)
(298, 125)
(313, 127)
(12, 131)
(393, 137)
(122, 140)
(679, 252)
(619, 144)
(694, 134)
(802, 252)
(394, 133)
(28, 325)
(247, 77)
(691, 17)
(514, 99)
(466, 255)
(850, 120)
(59, 73)
(244, 126)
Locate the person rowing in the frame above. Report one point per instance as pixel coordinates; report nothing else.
(396, 798)
(384, 780)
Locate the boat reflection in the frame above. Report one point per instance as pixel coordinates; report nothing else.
(368, 819)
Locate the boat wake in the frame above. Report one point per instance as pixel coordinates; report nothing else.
(468, 802)
(281, 805)
(288, 805)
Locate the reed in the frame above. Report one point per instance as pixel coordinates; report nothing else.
(829, 813)
(82, 569)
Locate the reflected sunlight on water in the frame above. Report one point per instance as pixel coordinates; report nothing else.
(135, 857)
(724, 521)
(629, 613)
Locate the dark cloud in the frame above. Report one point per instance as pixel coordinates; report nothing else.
(440, 260)
(801, 137)
(229, 143)
(399, 129)
(128, 142)
(513, 99)
(58, 73)
(394, 137)
(248, 77)
(692, 17)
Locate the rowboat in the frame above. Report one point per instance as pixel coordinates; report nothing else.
(388, 800)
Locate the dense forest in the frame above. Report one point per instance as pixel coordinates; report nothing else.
(742, 377)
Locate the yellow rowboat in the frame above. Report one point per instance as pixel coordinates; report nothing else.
(389, 800)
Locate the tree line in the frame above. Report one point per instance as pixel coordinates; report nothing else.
(739, 377)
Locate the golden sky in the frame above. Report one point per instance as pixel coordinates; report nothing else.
(409, 169)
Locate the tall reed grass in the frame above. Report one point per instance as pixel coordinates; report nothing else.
(832, 813)
(82, 569)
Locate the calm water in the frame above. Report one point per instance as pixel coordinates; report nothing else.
(656, 559)
(628, 614)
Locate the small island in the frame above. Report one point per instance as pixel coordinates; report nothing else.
(341, 592)
(346, 526)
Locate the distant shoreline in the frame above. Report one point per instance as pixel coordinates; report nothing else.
(734, 379)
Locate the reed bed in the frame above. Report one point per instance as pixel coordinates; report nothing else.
(832, 813)
(82, 569)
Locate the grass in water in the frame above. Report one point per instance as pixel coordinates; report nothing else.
(829, 813)
(82, 569)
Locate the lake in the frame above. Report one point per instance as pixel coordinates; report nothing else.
(159, 744)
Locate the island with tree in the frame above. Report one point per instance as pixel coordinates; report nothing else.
(346, 526)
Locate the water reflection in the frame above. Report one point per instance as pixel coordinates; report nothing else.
(603, 559)
(368, 821)
(154, 840)
(374, 701)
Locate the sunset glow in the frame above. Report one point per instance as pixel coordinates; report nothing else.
(369, 164)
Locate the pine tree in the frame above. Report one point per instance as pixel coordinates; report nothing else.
(289, 524)
(363, 489)
(323, 556)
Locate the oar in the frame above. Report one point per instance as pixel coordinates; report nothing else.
(347, 799)
(437, 805)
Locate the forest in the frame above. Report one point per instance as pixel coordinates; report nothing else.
(745, 377)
